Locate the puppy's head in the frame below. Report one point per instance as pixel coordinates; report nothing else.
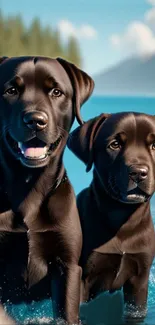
(39, 99)
(122, 148)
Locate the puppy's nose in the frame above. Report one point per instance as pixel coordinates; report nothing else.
(36, 120)
(138, 173)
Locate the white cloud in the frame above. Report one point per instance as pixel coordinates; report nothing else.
(137, 39)
(150, 16)
(115, 40)
(151, 2)
(88, 31)
(67, 29)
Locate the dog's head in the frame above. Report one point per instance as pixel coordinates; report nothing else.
(122, 148)
(39, 99)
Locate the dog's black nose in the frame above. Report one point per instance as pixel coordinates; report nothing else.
(138, 173)
(36, 120)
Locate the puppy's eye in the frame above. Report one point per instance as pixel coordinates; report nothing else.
(55, 92)
(115, 145)
(153, 146)
(12, 91)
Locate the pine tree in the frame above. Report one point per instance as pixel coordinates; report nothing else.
(57, 47)
(47, 39)
(73, 52)
(34, 38)
(1, 35)
(16, 40)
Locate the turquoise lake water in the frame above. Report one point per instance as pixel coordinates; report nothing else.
(80, 179)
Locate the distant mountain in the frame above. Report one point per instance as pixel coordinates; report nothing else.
(134, 76)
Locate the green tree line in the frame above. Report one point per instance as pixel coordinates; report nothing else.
(16, 40)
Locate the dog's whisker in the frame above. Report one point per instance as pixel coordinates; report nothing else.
(112, 185)
(64, 133)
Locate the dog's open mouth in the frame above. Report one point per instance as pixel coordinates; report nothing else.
(137, 195)
(32, 151)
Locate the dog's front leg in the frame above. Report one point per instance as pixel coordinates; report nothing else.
(66, 293)
(135, 298)
(65, 284)
(37, 267)
(72, 301)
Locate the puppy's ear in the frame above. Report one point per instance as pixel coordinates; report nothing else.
(81, 140)
(83, 85)
(3, 58)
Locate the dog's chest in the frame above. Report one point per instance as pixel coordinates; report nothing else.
(36, 215)
(110, 271)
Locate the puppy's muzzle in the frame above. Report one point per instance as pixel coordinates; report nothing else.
(35, 120)
(138, 173)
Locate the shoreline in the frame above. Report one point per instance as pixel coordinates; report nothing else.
(124, 96)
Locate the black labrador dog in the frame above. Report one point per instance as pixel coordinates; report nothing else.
(39, 99)
(118, 233)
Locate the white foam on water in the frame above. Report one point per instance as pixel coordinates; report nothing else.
(38, 320)
(151, 296)
(45, 320)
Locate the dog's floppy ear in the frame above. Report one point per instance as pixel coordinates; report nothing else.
(83, 85)
(81, 140)
(3, 58)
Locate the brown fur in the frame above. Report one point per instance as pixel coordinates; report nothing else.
(36, 197)
(118, 233)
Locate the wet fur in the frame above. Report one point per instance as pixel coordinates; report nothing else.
(118, 236)
(39, 222)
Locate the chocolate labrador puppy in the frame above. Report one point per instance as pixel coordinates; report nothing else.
(39, 99)
(118, 232)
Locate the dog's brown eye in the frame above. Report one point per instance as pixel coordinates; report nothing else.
(55, 92)
(153, 146)
(115, 145)
(12, 91)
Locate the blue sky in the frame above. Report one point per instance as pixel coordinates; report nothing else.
(107, 30)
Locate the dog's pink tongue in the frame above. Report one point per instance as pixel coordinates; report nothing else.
(34, 152)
